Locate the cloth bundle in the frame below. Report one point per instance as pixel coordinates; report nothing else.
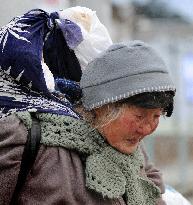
(38, 62)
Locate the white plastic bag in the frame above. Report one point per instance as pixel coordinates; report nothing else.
(95, 35)
(172, 197)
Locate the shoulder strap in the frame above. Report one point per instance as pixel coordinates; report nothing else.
(29, 155)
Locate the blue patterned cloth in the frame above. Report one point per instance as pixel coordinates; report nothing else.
(22, 83)
(58, 53)
(69, 88)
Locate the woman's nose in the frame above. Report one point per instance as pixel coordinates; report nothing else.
(145, 128)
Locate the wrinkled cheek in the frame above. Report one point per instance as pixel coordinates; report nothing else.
(130, 125)
(155, 126)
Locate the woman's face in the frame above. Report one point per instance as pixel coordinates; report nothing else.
(130, 127)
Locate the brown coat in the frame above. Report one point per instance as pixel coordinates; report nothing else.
(57, 177)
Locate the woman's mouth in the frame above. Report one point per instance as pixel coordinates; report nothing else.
(133, 141)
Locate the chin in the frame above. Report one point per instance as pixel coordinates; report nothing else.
(127, 149)
(132, 149)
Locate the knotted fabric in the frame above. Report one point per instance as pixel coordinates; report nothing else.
(58, 53)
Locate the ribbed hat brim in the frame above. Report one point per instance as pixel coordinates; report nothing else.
(126, 87)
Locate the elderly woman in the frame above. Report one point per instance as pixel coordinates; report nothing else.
(94, 159)
(127, 89)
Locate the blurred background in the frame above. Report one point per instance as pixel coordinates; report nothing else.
(168, 27)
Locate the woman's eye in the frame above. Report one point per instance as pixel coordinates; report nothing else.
(157, 116)
(139, 116)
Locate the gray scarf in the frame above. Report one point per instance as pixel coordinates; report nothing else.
(108, 171)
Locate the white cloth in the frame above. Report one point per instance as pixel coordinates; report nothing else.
(172, 197)
(49, 78)
(95, 35)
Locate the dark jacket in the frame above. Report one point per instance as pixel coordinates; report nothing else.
(57, 176)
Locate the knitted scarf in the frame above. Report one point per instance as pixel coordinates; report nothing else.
(108, 171)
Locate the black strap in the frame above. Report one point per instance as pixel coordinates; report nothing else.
(28, 157)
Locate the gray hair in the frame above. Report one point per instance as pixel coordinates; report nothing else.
(110, 111)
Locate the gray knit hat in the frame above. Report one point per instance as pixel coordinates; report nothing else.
(124, 70)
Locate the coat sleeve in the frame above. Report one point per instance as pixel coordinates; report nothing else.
(13, 135)
(153, 174)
